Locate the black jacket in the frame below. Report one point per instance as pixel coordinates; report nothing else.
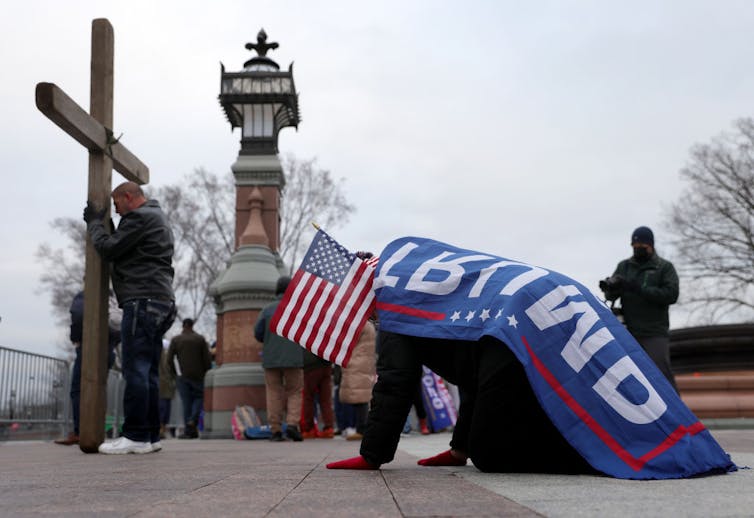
(193, 355)
(141, 251)
(645, 308)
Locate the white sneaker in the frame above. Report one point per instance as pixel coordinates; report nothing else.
(124, 445)
(156, 446)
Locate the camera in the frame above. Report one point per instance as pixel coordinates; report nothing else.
(612, 284)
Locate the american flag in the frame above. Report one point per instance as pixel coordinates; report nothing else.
(328, 300)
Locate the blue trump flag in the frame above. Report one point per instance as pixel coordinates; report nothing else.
(594, 381)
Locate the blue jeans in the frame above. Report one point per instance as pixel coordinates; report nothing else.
(165, 408)
(344, 413)
(144, 322)
(192, 397)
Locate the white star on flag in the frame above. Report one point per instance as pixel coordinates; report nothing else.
(512, 321)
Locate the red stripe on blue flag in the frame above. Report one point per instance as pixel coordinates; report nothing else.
(413, 312)
(635, 463)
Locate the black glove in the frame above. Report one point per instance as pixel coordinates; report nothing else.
(92, 214)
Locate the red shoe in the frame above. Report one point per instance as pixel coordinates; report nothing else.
(423, 427)
(327, 433)
(354, 463)
(310, 434)
(445, 458)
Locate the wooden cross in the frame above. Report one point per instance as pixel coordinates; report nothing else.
(94, 132)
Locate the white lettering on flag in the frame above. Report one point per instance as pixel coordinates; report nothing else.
(453, 268)
(383, 279)
(607, 387)
(549, 311)
(578, 351)
(512, 286)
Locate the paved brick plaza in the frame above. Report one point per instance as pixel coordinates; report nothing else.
(259, 478)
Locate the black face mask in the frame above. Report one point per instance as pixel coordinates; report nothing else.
(641, 255)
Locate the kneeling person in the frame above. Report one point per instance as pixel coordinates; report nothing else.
(501, 426)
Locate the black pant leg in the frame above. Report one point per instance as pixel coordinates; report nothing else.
(455, 361)
(418, 402)
(462, 429)
(398, 375)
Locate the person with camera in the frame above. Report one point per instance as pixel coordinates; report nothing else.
(647, 285)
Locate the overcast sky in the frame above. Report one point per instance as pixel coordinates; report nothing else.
(539, 131)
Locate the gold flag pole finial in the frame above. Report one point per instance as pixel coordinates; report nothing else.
(316, 226)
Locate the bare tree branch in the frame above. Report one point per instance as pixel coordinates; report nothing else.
(201, 211)
(713, 224)
(310, 195)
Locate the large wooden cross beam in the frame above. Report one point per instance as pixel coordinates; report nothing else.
(94, 131)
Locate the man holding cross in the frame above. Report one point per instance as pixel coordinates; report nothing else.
(141, 253)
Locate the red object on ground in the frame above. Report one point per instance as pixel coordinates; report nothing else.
(353, 463)
(442, 459)
(327, 433)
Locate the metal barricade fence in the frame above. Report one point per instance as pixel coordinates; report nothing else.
(33, 395)
(116, 385)
(35, 398)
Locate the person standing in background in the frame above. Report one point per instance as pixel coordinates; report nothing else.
(647, 285)
(77, 329)
(357, 380)
(283, 362)
(192, 352)
(317, 382)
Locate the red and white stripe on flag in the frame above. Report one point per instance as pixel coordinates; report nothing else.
(324, 309)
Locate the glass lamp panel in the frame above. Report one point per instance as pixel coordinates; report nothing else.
(257, 115)
(256, 87)
(236, 86)
(246, 85)
(285, 85)
(267, 121)
(275, 85)
(248, 120)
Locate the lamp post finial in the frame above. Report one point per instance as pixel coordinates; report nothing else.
(261, 46)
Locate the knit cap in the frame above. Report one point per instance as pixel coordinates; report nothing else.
(644, 236)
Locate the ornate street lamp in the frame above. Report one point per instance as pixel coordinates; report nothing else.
(261, 99)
